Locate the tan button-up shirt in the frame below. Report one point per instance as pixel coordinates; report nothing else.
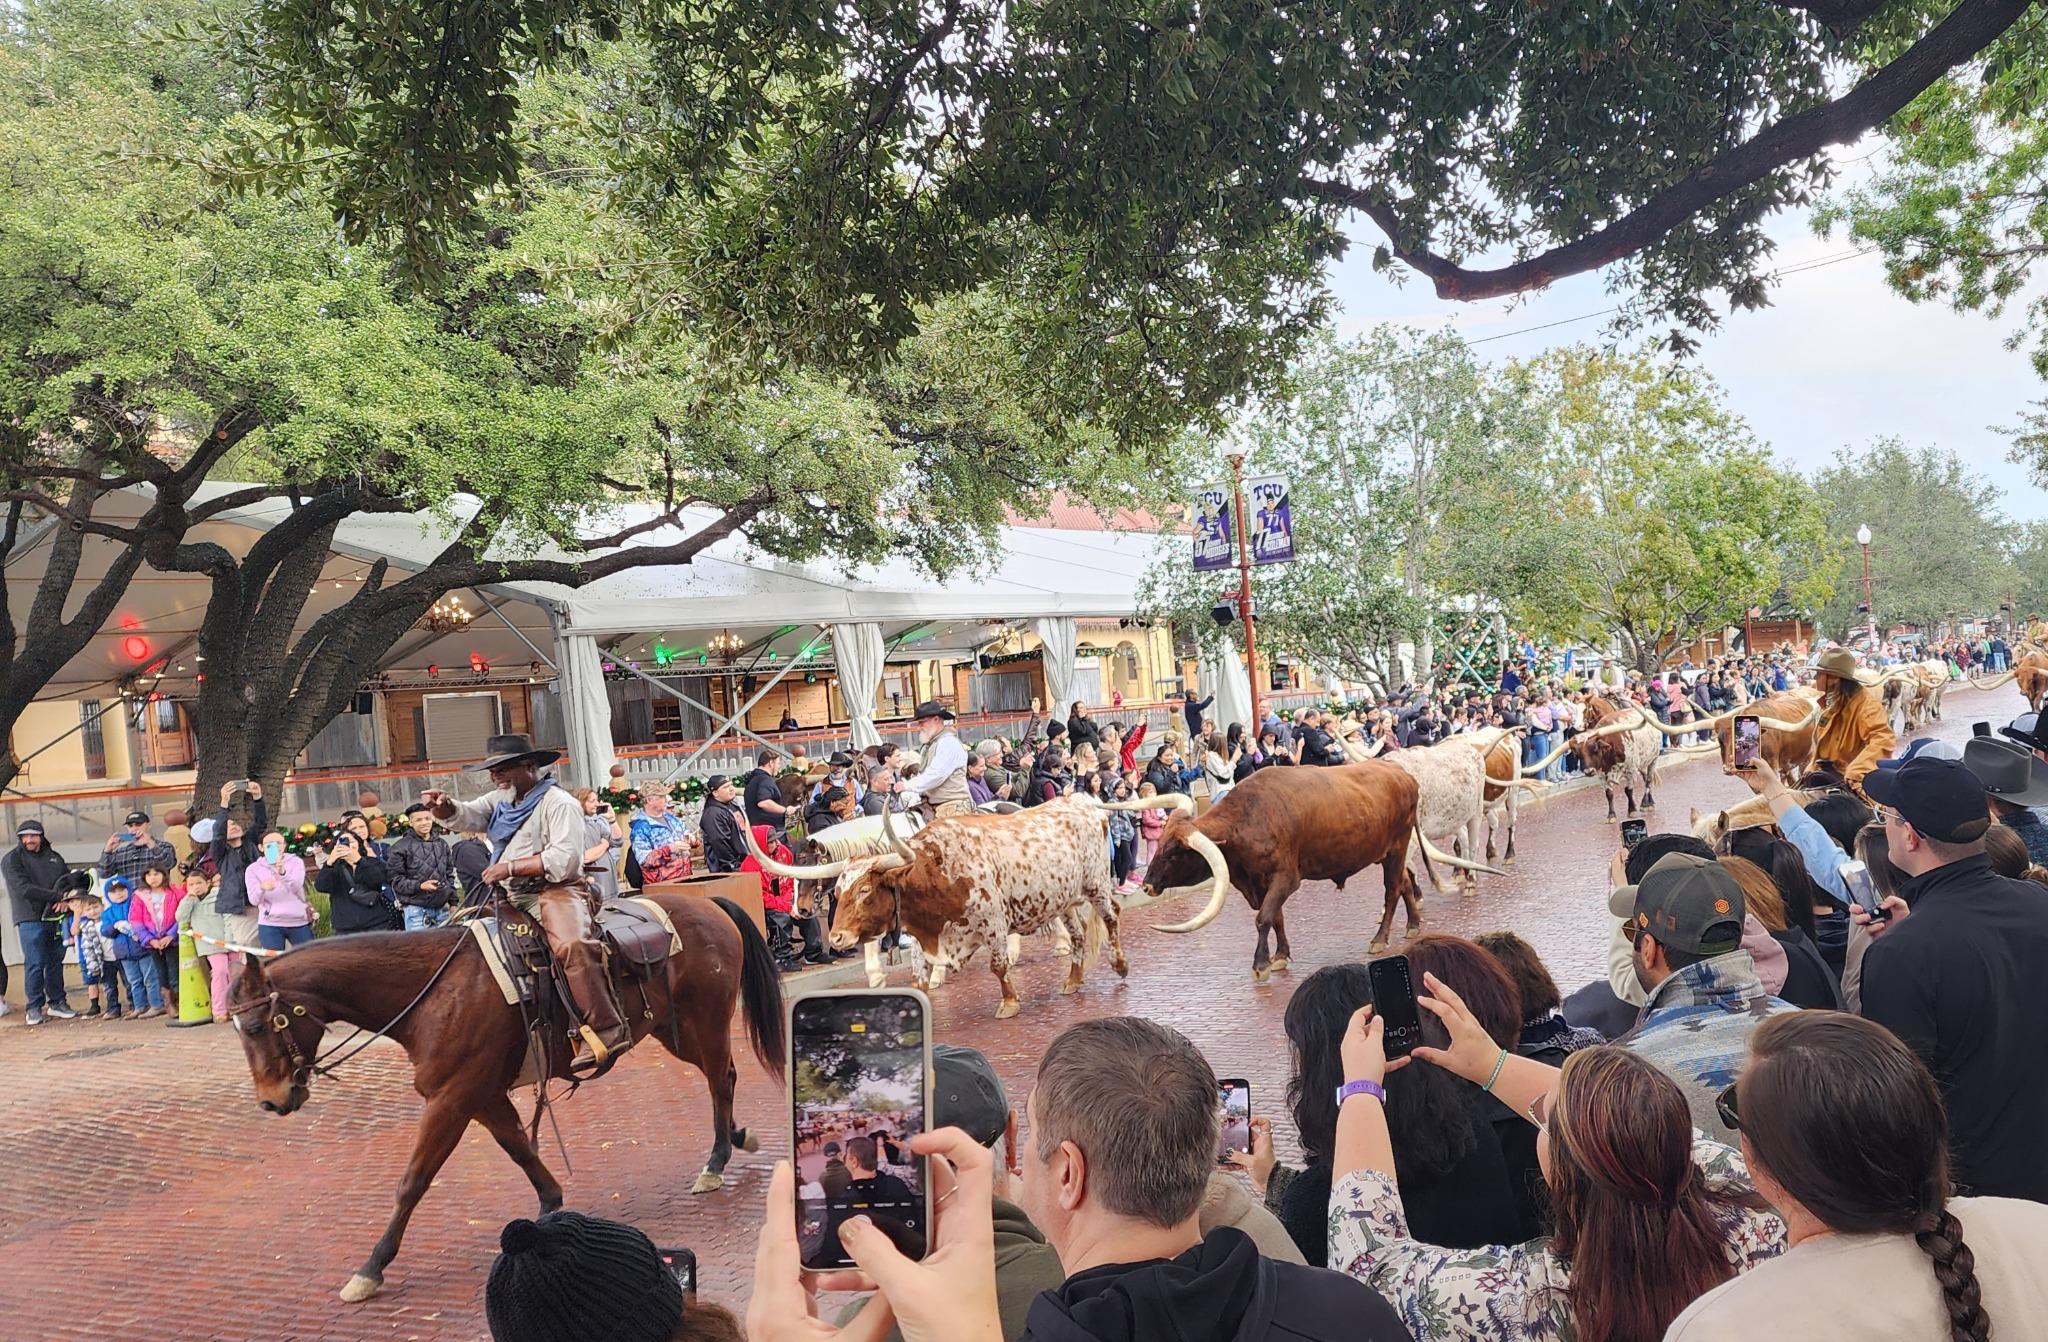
(554, 830)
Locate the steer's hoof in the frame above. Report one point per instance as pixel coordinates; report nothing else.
(1377, 948)
(1260, 973)
(878, 980)
(707, 1182)
(1068, 988)
(1008, 1009)
(359, 1289)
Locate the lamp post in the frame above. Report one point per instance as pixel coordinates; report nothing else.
(1869, 609)
(1244, 586)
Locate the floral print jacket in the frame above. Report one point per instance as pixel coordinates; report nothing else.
(1502, 1293)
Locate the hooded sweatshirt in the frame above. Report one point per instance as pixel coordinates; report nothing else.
(1219, 1291)
(778, 893)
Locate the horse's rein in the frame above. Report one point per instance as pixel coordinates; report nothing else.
(303, 1071)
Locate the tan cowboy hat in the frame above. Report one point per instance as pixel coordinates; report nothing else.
(1839, 661)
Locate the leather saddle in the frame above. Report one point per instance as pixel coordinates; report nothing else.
(637, 945)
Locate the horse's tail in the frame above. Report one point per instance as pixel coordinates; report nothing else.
(760, 989)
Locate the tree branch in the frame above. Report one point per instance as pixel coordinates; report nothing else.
(1969, 28)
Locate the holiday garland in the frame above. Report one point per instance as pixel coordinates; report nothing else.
(683, 792)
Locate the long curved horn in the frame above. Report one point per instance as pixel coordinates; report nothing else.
(1780, 725)
(1219, 883)
(1993, 682)
(1553, 757)
(823, 872)
(1439, 855)
(902, 849)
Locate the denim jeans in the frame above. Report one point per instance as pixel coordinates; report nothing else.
(418, 919)
(42, 964)
(145, 985)
(282, 938)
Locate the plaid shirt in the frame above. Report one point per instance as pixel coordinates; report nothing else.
(131, 859)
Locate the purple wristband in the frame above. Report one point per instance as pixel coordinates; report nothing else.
(1350, 1088)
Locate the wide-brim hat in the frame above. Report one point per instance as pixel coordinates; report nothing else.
(2007, 770)
(513, 748)
(1839, 661)
(932, 708)
(2028, 730)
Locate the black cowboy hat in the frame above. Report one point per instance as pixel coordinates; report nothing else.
(931, 708)
(514, 749)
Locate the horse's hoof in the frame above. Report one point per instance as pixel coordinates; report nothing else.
(1279, 963)
(1377, 948)
(1069, 988)
(707, 1182)
(750, 1141)
(878, 980)
(1260, 973)
(1007, 1010)
(359, 1289)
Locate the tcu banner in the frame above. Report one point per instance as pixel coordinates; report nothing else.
(1269, 520)
(1214, 532)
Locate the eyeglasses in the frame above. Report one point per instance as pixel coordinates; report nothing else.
(1724, 1105)
(1882, 815)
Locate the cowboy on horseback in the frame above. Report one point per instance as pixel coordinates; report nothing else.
(536, 832)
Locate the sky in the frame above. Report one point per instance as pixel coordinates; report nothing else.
(1839, 359)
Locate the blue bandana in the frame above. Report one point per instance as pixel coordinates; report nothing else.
(508, 816)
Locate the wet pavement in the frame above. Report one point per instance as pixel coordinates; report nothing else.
(143, 1193)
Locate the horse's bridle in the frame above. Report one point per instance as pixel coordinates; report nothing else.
(281, 1024)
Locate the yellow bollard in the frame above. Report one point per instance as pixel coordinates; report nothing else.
(195, 988)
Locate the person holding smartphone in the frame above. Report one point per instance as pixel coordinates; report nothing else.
(353, 881)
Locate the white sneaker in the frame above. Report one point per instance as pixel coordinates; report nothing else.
(6, 1007)
(35, 1015)
(59, 1011)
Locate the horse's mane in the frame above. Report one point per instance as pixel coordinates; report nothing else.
(392, 949)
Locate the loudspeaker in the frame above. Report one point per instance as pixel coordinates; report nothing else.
(363, 705)
(1223, 612)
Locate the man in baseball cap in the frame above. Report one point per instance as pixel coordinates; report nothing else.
(1957, 972)
(1685, 920)
(968, 1095)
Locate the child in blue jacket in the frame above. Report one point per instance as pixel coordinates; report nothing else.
(138, 966)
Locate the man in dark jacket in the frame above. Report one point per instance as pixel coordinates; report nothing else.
(233, 849)
(725, 847)
(33, 873)
(472, 853)
(1959, 979)
(1191, 710)
(422, 871)
(1317, 745)
(1123, 1139)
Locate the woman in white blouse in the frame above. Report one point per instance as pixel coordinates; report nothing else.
(1219, 765)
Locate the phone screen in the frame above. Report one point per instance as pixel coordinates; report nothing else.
(1393, 1001)
(1633, 832)
(1862, 889)
(1234, 1133)
(858, 1067)
(1749, 740)
(682, 1265)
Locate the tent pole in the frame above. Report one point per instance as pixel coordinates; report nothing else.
(739, 715)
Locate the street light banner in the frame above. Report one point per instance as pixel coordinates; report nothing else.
(1212, 528)
(1269, 519)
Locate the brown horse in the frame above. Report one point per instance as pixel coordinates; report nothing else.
(467, 1045)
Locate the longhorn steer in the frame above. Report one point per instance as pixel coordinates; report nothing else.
(850, 839)
(1283, 826)
(1620, 743)
(1790, 722)
(964, 884)
(1451, 780)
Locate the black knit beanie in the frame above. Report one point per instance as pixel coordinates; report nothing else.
(574, 1278)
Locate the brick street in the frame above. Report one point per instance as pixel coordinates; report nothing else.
(146, 1195)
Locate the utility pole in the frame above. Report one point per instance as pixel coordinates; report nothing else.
(1244, 588)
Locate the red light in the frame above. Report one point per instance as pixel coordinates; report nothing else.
(155, 697)
(477, 663)
(135, 649)
(433, 669)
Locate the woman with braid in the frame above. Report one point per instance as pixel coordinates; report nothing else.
(1844, 1132)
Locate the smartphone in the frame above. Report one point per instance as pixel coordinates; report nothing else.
(1980, 729)
(1749, 740)
(1862, 889)
(1393, 1001)
(1234, 1133)
(682, 1265)
(1633, 832)
(860, 1065)
(239, 785)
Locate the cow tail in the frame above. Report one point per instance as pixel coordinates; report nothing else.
(760, 989)
(1423, 849)
(1094, 933)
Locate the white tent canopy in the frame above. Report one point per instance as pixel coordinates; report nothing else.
(1032, 574)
